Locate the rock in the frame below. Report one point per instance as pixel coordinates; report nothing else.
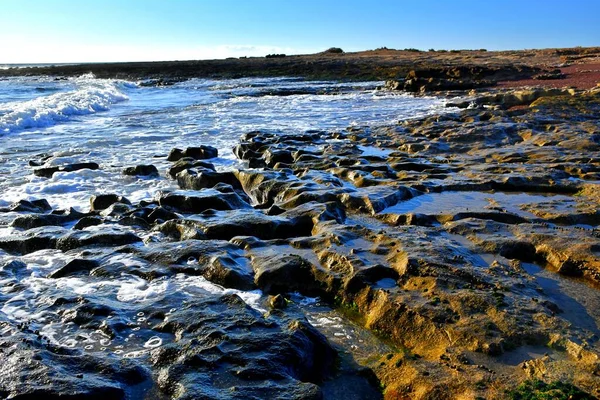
(107, 238)
(37, 220)
(194, 179)
(186, 163)
(270, 359)
(47, 172)
(197, 153)
(230, 272)
(74, 267)
(36, 206)
(283, 273)
(103, 201)
(141, 170)
(277, 301)
(190, 202)
(226, 225)
(87, 222)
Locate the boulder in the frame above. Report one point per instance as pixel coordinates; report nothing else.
(103, 201)
(197, 153)
(141, 170)
(47, 172)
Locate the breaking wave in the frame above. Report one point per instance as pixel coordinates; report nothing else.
(90, 96)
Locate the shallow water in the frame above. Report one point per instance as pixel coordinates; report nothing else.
(455, 202)
(119, 124)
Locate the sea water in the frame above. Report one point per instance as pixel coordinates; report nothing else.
(118, 124)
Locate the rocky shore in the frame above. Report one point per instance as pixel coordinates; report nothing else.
(461, 250)
(434, 69)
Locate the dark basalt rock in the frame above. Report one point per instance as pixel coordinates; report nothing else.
(103, 201)
(197, 153)
(282, 273)
(265, 358)
(229, 272)
(38, 220)
(141, 170)
(35, 206)
(106, 238)
(197, 202)
(196, 179)
(31, 370)
(87, 222)
(186, 163)
(47, 172)
(226, 225)
(32, 240)
(75, 266)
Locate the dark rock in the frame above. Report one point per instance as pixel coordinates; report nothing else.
(283, 273)
(277, 301)
(229, 272)
(107, 237)
(36, 206)
(38, 220)
(226, 225)
(103, 201)
(197, 153)
(74, 267)
(188, 202)
(87, 222)
(141, 170)
(32, 240)
(269, 359)
(187, 163)
(194, 179)
(519, 250)
(47, 172)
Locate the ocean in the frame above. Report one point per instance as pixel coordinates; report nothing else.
(119, 124)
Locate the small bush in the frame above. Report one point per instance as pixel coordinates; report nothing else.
(334, 50)
(413, 50)
(275, 55)
(431, 50)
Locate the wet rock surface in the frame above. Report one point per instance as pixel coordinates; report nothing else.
(452, 255)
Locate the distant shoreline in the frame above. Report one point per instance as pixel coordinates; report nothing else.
(380, 64)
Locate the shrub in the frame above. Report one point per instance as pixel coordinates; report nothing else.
(334, 50)
(275, 55)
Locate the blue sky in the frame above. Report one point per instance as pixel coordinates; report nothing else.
(48, 31)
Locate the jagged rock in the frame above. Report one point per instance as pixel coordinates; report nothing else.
(103, 201)
(282, 273)
(141, 170)
(196, 179)
(186, 163)
(197, 153)
(197, 202)
(47, 172)
(36, 206)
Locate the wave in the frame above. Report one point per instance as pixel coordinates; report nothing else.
(91, 96)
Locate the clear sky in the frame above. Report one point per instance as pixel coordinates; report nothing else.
(54, 31)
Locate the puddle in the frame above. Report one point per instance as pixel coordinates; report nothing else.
(371, 151)
(579, 302)
(455, 202)
(339, 330)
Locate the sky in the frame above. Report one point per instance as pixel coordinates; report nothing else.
(64, 31)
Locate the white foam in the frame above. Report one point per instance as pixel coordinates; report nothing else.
(90, 97)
